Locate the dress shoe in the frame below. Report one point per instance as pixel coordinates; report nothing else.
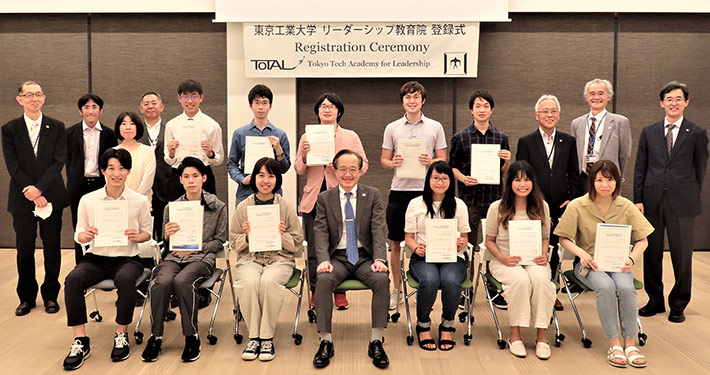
(651, 309)
(24, 308)
(676, 316)
(51, 307)
(324, 354)
(378, 355)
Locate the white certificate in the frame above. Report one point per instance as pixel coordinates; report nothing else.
(525, 240)
(611, 248)
(255, 149)
(441, 240)
(410, 149)
(485, 164)
(189, 135)
(264, 223)
(111, 220)
(188, 215)
(321, 138)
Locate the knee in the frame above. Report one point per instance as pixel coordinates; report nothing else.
(73, 281)
(124, 281)
(381, 281)
(450, 280)
(325, 280)
(605, 288)
(626, 291)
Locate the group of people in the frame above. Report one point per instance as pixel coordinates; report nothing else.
(567, 182)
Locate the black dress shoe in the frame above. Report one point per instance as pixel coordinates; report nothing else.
(651, 309)
(676, 316)
(51, 307)
(24, 308)
(324, 354)
(378, 355)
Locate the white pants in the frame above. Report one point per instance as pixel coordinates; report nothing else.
(529, 291)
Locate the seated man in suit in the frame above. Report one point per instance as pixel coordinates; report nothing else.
(350, 242)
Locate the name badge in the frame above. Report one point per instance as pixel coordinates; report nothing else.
(591, 158)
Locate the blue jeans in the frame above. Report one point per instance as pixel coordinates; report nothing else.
(432, 277)
(610, 286)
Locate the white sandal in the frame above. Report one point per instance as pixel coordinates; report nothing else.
(612, 356)
(631, 358)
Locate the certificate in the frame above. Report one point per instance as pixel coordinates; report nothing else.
(321, 138)
(410, 149)
(441, 240)
(111, 220)
(189, 135)
(264, 223)
(188, 215)
(525, 240)
(611, 248)
(255, 149)
(485, 164)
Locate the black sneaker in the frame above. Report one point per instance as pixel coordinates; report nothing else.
(152, 349)
(120, 350)
(266, 351)
(500, 302)
(192, 349)
(79, 351)
(252, 350)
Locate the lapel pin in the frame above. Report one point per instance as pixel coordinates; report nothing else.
(687, 130)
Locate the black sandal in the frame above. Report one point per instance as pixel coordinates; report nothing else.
(421, 342)
(446, 342)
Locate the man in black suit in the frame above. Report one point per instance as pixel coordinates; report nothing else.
(34, 147)
(350, 242)
(670, 168)
(553, 156)
(86, 142)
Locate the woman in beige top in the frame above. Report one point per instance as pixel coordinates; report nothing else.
(129, 128)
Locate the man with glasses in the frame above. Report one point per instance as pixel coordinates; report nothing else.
(260, 99)
(670, 167)
(35, 148)
(350, 242)
(86, 142)
(192, 133)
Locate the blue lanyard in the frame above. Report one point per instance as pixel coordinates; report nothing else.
(599, 124)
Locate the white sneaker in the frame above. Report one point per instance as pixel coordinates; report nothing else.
(396, 297)
(251, 351)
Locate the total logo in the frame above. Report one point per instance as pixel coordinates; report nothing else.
(268, 64)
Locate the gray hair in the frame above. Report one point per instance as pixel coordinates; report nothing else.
(26, 83)
(607, 85)
(548, 97)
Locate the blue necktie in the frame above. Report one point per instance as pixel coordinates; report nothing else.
(350, 237)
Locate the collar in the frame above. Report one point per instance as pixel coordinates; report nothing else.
(599, 115)
(268, 125)
(207, 200)
(198, 114)
(342, 191)
(157, 124)
(475, 129)
(84, 126)
(544, 135)
(30, 121)
(677, 123)
(104, 194)
(421, 120)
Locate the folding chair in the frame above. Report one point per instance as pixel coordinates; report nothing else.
(569, 278)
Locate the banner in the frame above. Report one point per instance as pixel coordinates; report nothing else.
(361, 49)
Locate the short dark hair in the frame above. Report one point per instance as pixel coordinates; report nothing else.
(483, 94)
(674, 85)
(122, 155)
(412, 87)
(151, 93)
(333, 98)
(273, 167)
(189, 85)
(140, 128)
(345, 151)
(191, 161)
(90, 96)
(23, 84)
(609, 170)
(260, 91)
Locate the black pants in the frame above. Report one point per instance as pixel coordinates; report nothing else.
(176, 190)
(158, 208)
(88, 185)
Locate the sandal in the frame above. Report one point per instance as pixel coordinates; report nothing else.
(611, 356)
(631, 358)
(423, 343)
(446, 342)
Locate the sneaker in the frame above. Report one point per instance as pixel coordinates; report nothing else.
(500, 303)
(396, 298)
(266, 352)
(152, 349)
(79, 351)
(120, 350)
(192, 349)
(341, 302)
(252, 350)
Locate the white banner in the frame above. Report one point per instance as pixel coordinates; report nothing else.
(361, 49)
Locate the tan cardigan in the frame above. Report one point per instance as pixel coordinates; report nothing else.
(291, 239)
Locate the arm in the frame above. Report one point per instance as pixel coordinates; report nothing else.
(636, 252)
(11, 161)
(236, 151)
(58, 159)
(456, 155)
(701, 157)
(146, 184)
(377, 226)
(357, 147)
(504, 154)
(389, 160)
(640, 169)
(585, 258)
(239, 238)
(321, 232)
(285, 161)
(221, 232)
(217, 148)
(292, 237)
(625, 144)
(300, 163)
(574, 182)
(522, 153)
(170, 143)
(145, 222)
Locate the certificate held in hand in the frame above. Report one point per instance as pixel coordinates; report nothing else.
(321, 138)
(410, 149)
(188, 215)
(441, 240)
(111, 220)
(611, 248)
(255, 149)
(264, 223)
(525, 240)
(485, 164)
(190, 136)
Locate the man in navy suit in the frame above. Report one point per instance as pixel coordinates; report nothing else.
(670, 168)
(35, 148)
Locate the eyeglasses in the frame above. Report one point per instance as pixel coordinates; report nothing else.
(31, 95)
(324, 107)
(185, 98)
(674, 100)
(548, 112)
(440, 179)
(262, 102)
(344, 170)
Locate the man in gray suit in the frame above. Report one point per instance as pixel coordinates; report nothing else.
(350, 242)
(601, 135)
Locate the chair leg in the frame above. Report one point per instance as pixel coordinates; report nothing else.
(642, 336)
(297, 338)
(587, 343)
(137, 334)
(467, 337)
(501, 344)
(410, 337)
(213, 339)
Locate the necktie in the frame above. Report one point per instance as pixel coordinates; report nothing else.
(34, 136)
(669, 138)
(350, 237)
(590, 144)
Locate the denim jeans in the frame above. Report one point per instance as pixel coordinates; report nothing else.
(432, 277)
(610, 287)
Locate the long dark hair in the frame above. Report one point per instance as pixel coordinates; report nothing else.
(448, 204)
(535, 206)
